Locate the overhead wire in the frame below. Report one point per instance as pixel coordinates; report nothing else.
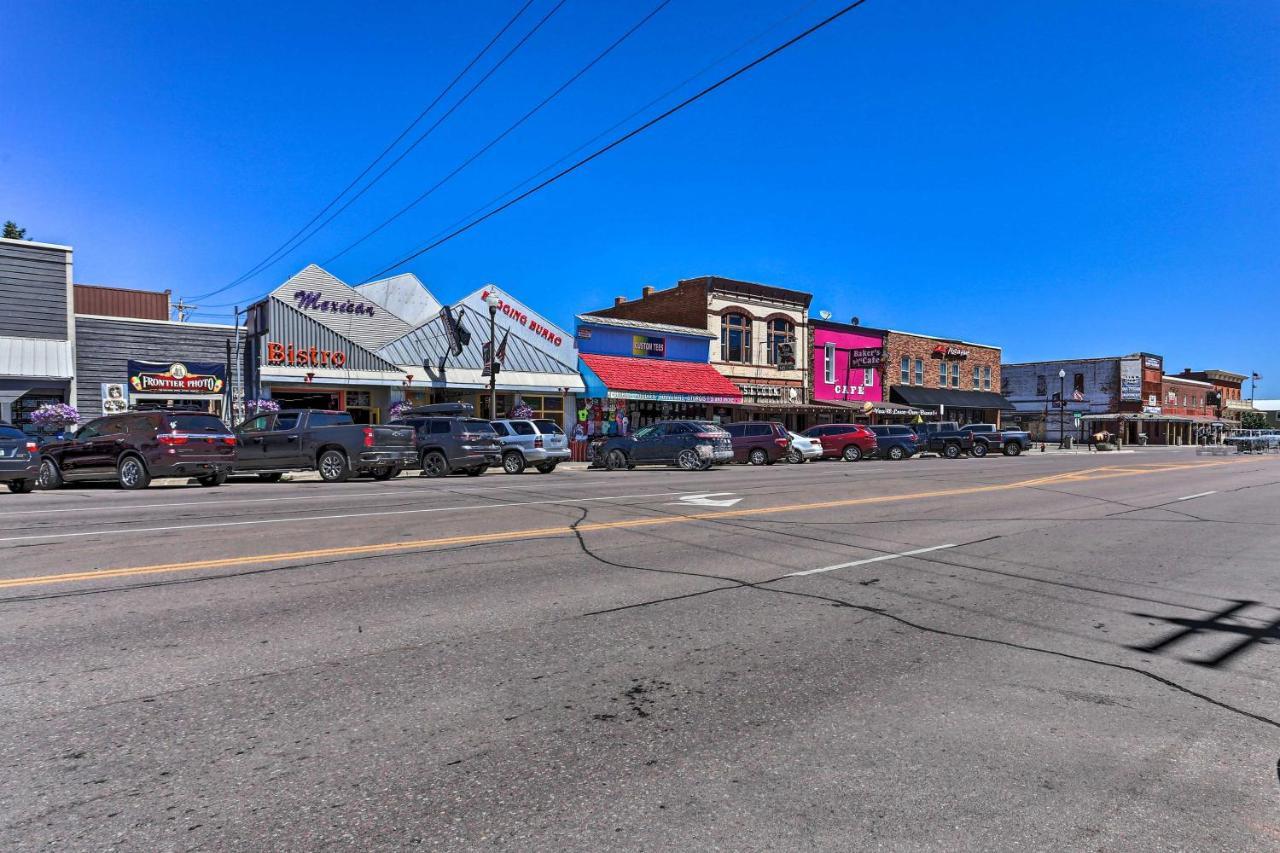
(631, 134)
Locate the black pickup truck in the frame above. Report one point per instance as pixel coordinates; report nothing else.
(327, 442)
(987, 438)
(944, 438)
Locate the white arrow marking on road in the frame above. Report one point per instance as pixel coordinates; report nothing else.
(879, 559)
(706, 500)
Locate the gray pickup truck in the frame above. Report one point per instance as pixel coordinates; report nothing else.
(987, 438)
(328, 442)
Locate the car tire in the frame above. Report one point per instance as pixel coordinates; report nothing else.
(979, 449)
(388, 474)
(434, 464)
(546, 467)
(852, 453)
(22, 487)
(50, 477)
(1012, 449)
(795, 457)
(271, 478)
(513, 462)
(688, 460)
(132, 473)
(758, 457)
(951, 450)
(616, 460)
(213, 479)
(896, 453)
(477, 470)
(333, 466)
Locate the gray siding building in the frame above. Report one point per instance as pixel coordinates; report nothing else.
(37, 333)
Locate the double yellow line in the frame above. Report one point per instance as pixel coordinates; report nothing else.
(565, 530)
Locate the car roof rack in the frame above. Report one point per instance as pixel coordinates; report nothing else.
(441, 409)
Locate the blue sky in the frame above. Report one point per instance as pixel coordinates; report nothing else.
(1072, 179)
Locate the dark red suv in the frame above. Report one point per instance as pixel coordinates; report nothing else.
(849, 442)
(759, 442)
(132, 448)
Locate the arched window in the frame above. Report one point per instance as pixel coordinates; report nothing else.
(781, 331)
(735, 338)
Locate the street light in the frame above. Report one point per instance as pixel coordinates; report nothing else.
(491, 299)
(1062, 408)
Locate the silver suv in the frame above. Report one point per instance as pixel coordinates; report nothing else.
(540, 443)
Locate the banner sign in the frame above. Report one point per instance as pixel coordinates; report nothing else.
(451, 330)
(945, 351)
(645, 346)
(866, 357)
(177, 378)
(663, 397)
(1130, 380)
(115, 398)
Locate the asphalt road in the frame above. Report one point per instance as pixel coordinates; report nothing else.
(1079, 655)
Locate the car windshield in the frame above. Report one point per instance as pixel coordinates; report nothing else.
(549, 427)
(478, 426)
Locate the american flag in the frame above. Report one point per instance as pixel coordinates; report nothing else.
(1077, 396)
(1257, 377)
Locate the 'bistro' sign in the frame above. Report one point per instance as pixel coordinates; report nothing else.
(176, 378)
(309, 300)
(295, 356)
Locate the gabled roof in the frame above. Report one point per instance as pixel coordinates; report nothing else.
(428, 343)
(372, 328)
(403, 295)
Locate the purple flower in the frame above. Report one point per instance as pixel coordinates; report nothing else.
(55, 416)
(261, 407)
(400, 408)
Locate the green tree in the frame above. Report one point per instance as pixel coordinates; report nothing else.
(13, 232)
(1253, 420)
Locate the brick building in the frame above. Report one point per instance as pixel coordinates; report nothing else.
(1229, 405)
(949, 378)
(1188, 406)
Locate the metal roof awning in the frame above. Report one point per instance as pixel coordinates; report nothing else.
(914, 395)
(35, 358)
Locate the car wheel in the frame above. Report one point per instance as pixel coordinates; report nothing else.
(1012, 449)
(50, 477)
(896, 453)
(758, 457)
(271, 478)
(951, 450)
(213, 479)
(689, 460)
(616, 460)
(513, 462)
(979, 449)
(333, 466)
(22, 487)
(795, 457)
(852, 453)
(132, 473)
(477, 470)
(387, 474)
(546, 467)
(434, 464)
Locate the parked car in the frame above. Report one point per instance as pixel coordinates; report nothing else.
(895, 442)
(944, 438)
(447, 439)
(539, 442)
(803, 448)
(132, 448)
(849, 442)
(759, 442)
(691, 445)
(988, 438)
(328, 442)
(19, 459)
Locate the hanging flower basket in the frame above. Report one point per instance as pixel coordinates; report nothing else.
(400, 408)
(261, 407)
(55, 417)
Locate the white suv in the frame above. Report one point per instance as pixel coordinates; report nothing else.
(540, 443)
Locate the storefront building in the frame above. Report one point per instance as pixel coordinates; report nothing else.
(847, 366)
(949, 379)
(759, 334)
(1189, 410)
(1227, 397)
(37, 328)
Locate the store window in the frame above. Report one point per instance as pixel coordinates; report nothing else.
(549, 407)
(942, 374)
(829, 364)
(904, 371)
(977, 378)
(1077, 383)
(955, 374)
(986, 378)
(360, 407)
(1042, 385)
(868, 377)
(779, 331)
(919, 371)
(735, 338)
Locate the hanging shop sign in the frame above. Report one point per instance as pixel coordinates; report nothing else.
(314, 301)
(644, 346)
(945, 351)
(664, 397)
(1130, 380)
(115, 398)
(290, 355)
(867, 357)
(176, 378)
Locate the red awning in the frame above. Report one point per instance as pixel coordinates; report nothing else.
(662, 379)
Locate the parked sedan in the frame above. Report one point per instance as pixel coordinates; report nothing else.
(540, 443)
(19, 459)
(803, 448)
(849, 442)
(691, 445)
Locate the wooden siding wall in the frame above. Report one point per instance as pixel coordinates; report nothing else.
(33, 292)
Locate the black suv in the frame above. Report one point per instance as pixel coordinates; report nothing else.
(447, 439)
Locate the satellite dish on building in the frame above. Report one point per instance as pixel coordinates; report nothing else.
(854, 321)
(824, 314)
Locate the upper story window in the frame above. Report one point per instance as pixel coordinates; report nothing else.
(955, 374)
(868, 377)
(942, 374)
(977, 378)
(780, 331)
(919, 371)
(735, 338)
(904, 371)
(986, 378)
(829, 364)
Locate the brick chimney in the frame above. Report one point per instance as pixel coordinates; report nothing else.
(618, 300)
(646, 290)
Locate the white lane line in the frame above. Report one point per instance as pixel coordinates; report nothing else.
(1198, 495)
(879, 559)
(131, 530)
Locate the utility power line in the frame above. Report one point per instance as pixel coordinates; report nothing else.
(465, 163)
(697, 96)
(286, 248)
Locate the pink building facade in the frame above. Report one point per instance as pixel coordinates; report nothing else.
(848, 362)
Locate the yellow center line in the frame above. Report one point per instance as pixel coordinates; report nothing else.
(564, 530)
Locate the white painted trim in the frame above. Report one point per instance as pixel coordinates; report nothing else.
(34, 244)
(159, 322)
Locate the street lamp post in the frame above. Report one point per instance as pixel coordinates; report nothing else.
(1062, 408)
(491, 299)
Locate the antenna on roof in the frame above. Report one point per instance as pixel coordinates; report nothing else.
(854, 321)
(824, 314)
